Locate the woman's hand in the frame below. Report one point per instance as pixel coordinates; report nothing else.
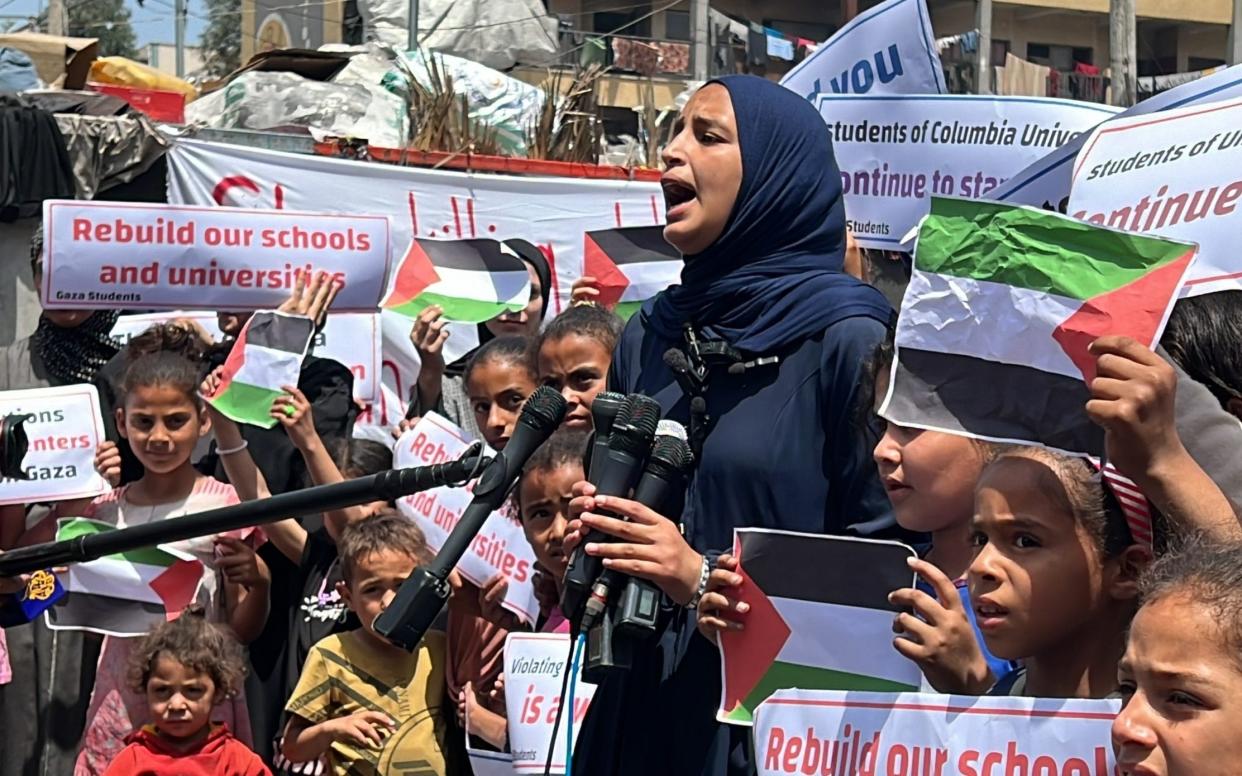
(648, 546)
(1132, 398)
(719, 606)
(240, 564)
(108, 462)
(293, 411)
(940, 639)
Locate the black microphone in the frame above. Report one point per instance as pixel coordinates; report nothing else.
(604, 411)
(421, 597)
(385, 486)
(617, 472)
(661, 487)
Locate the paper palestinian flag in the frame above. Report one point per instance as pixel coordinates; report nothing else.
(268, 354)
(472, 280)
(1001, 307)
(631, 266)
(126, 593)
(819, 618)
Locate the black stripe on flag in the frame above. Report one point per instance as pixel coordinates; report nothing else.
(635, 244)
(471, 255)
(826, 569)
(993, 400)
(290, 333)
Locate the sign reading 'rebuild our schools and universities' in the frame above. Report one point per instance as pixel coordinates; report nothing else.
(160, 257)
(896, 151)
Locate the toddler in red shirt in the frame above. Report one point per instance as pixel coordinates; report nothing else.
(185, 667)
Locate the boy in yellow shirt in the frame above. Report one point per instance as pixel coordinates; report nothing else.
(369, 706)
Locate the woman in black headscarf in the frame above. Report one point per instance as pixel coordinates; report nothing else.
(441, 388)
(753, 198)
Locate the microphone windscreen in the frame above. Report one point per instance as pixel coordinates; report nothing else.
(544, 409)
(672, 453)
(636, 425)
(676, 360)
(671, 428)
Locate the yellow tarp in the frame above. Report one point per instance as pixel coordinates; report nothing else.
(126, 72)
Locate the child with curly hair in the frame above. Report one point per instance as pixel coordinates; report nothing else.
(185, 668)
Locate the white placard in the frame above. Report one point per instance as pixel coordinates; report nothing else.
(1176, 174)
(888, 49)
(500, 546)
(887, 734)
(64, 435)
(117, 255)
(895, 152)
(535, 665)
(1046, 182)
(352, 339)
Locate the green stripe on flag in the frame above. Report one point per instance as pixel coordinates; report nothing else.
(625, 310)
(789, 675)
(149, 556)
(456, 308)
(245, 403)
(1030, 248)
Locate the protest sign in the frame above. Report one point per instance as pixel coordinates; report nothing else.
(535, 665)
(819, 618)
(1177, 174)
(1002, 306)
(499, 548)
(63, 434)
(1046, 182)
(352, 339)
(888, 49)
(895, 152)
(117, 255)
(913, 734)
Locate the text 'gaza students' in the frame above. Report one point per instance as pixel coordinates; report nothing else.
(753, 198)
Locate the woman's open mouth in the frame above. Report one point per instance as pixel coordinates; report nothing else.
(677, 197)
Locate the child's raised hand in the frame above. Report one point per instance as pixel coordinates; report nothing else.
(1132, 398)
(940, 639)
(545, 589)
(403, 426)
(293, 410)
(108, 462)
(491, 598)
(362, 728)
(428, 336)
(312, 299)
(716, 608)
(240, 564)
(585, 290)
(212, 382)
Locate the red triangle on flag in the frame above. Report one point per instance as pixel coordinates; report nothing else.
(414, 273)
(178, 586)
(1136, 310)
(611, 281)
(748, 654)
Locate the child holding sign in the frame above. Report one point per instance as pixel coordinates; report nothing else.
(1181, 676)
(1055, 576)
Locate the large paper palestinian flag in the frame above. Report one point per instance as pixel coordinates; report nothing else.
(819, 618)
(127, 593)
(472, 280)
(992, 340)
(630, 265)
(268, 355)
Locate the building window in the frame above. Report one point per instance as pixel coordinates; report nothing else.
(677, 25)
(1058, 57)
(607, 21)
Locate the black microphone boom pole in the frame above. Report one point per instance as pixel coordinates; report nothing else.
(384, 486)
(421, 597)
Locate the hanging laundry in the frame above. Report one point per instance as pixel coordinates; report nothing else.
(756, 46)
(778, 45)
(674, 57)
(636, 55)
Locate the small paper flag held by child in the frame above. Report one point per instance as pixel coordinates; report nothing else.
(268, 354)
(472, 280)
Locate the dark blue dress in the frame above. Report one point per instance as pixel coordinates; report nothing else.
(786, 452)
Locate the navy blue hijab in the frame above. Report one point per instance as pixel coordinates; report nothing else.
(775, 275)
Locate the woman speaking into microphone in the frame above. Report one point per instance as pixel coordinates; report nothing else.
(753, 198)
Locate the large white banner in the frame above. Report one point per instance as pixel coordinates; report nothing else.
(500, 546)
(1046, 182)
(535, 664)
(888, 49)
(63, 434)
(165, 257)
(895, 152)
(904, 734)
(1177, 174)
(353, 339)
(552, 213)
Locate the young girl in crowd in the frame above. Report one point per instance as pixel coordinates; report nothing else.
(185, 669)
(1054, 581)
(163, 418)
(498, 379)
(1181, 676)
(543, 494)
(573, 354)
